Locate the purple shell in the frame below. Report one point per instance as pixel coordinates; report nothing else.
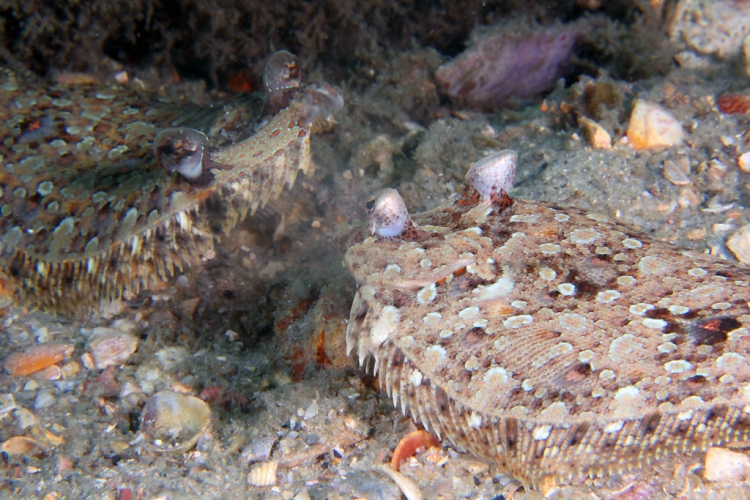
(505, 66)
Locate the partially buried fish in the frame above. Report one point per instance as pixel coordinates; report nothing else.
(101, 191)
(553, 341)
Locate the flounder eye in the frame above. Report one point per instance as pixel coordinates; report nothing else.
(389, 217)
(370, 205)
(493, 175)
(180, 149)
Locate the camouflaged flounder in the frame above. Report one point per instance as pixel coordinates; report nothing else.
(86, 209)
(551, 340)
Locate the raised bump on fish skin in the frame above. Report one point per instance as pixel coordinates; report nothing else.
(181, 150)
(323, 101)
(389, 217)
(493, 175)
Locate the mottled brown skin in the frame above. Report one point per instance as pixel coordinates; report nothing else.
(553, 341)
(87, 211)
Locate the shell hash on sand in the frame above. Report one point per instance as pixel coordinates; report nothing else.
(103, 190)
(554, 341)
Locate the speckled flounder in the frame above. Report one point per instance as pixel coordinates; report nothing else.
(93, 201)
(551, 340)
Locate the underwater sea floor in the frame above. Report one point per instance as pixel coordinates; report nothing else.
(258, 330)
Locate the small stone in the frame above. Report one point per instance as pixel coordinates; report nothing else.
(26, 418)
(311, 411)
(726, 465)
(676, 175)
(744, 162)
(7, 403)
(739, 244)
(595, 133)
(653, 127)
(44, 399)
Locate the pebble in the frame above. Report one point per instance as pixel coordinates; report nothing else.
(44, 399)
(739, 244)
(7, 403)
(652, 127)
(311, 411)
(595, 133)
(744, 162)
(25, 418)
(726, 465)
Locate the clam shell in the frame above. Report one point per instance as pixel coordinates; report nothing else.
(35, 358)
(24, 446)
(263, 474)
(112, 349)
(174, 422)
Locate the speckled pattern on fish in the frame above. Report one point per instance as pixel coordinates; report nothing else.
(86, 210)
(554, 341)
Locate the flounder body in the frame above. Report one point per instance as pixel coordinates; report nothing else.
(554, 341)
(91, 205)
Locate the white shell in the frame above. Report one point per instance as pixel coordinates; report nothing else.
(174, 421)
(263, 474)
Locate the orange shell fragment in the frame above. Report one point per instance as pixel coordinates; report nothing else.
(35, 358)
(409, 445)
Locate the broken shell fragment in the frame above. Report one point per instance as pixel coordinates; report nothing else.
(409, 445)
(744, 162)
(35, 358)
(174, 422)
(112, 349)
(263, 474)
(726, 465)
(24, 446)
(652, 127)
(595, 133)
(739, 244)
(676, 175)
(180, 149)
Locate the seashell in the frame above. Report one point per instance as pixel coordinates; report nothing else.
(50, 373)
(263, 474)
(24, 446)
(595, 133)
(739, 244)
(407, 486)
(174, 421)
(409, 445)
(112, 349)
(652, 126)
(674, 174)
(726, 465)
(35, 358)
(733, 104)
(744, 162)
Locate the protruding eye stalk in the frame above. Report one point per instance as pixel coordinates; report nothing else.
(282, 76)
(492, 177)
(389, 217)
(181, 150)
(321, 102)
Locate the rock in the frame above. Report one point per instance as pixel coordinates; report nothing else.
(595, 133)
(652, 127)
(739, 244)
(726, 465)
